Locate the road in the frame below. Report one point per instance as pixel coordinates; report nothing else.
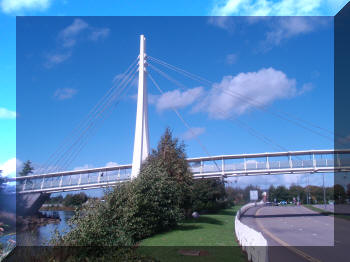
(295, 233)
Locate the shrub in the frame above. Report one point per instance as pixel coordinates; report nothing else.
(154, 203)
(208, 195)
(172, 157)
(132, 211)
(75, 199)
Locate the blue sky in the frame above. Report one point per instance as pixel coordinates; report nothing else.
(65, 76)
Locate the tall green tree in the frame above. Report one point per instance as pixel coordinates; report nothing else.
(339, 194)
(172, 157)
(208, 195)
(2, 180)
(27, 169)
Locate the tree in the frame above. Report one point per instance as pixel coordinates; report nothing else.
(151, 203)
(348, 190)
(131, 211)
(208, 195)
(234, 195)
(296, 191)
(339, 194)
(280, 193)
(27, 169)
(75, 199)
(2, 180)
(272, 194)
(172, 157)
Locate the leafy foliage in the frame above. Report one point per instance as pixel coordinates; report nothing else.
(2, 180)
(240, 196)
(172, 158)
(208, 195)
(27, 169)
(316, 193)
(151, 203)
(74, 199)
(339, 194)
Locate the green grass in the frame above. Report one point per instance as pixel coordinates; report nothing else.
(212, 234)
(327, 213)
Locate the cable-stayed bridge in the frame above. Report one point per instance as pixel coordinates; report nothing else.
(296, 162)
(281, 162)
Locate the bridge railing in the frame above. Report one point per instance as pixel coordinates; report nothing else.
(224, 165)
(77, 179)
(306, 161)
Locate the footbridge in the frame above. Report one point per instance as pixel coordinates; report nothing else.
(223, 166)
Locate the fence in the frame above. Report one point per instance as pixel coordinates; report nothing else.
(252, 242)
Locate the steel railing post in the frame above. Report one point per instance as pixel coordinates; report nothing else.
(42, 183)
(222, 166)
(24, 184)
(267, 163)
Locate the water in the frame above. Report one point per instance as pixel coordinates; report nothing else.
(40, 236)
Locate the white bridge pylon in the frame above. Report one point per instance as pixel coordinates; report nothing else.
(141, 140)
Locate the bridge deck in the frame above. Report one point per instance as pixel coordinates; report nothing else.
(316, 161)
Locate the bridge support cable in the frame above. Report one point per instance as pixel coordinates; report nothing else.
(48, 165)
(92, 120)
(240, 123)
(94, 127)
(282, 115)
(184, 122)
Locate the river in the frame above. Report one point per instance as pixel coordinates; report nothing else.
(40, 236)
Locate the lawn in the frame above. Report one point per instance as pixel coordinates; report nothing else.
(327, 213)
(211, 235)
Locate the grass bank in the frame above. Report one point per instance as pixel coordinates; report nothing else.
(327, 213)
(208, 238)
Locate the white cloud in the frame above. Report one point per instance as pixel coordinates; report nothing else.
(344, 140)
(231, 59)
(278, 29)
(223, 22)
(86, 166)
(7, 114)
(67, 38)
(305, 88)
(111, 163)
(99, 33)
(69, 34)
(9, 167)
(269, 7)
(193, 132)
(56, 58)
(178, 99)
(282, 28)
(117, 79)
(10, 6)
(65, 93)
(237, 94)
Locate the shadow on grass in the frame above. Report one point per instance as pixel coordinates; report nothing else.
(204, 220)
(206, 253)
(228, 212)
(186, 227)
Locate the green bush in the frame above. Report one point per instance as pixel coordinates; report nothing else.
(208, 195)
(154, 202)
(172, 157)
(75, 199)
(132, 211)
